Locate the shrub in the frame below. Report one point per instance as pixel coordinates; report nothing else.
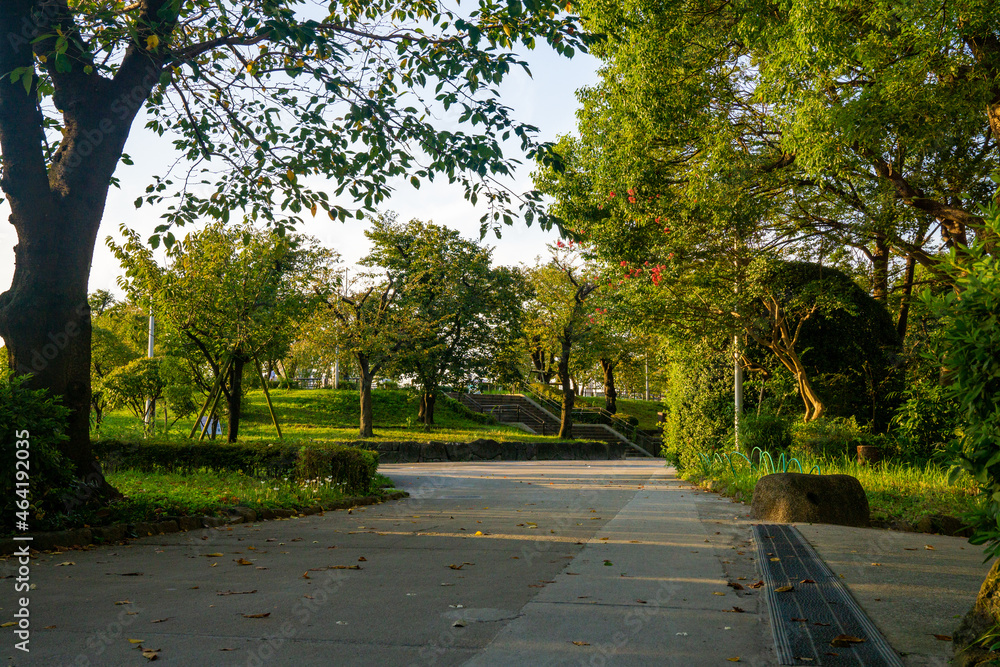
(698, 405)
(50, 476)
(350, 467)
(768, 431)
(464, 411)
(828, 436)
(971, 337)
(926, 421)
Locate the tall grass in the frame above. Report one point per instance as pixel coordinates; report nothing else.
(896, 491)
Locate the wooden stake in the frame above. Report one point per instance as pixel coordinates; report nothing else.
(267, 396)
(216, 387)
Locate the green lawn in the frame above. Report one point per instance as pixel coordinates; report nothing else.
(330, 415)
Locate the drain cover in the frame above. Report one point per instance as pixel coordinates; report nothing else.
(814, 619)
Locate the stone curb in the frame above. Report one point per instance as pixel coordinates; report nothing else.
(118, 532)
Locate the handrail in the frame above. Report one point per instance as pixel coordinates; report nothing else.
(623, 427)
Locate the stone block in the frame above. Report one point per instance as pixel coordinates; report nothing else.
(792, 497)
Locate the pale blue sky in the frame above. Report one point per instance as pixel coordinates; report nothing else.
(547, 101)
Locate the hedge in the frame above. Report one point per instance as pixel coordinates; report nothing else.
(352, 467)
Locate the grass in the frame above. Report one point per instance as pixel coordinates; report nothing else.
(896, 491)
(331, 415)
(149, 495)
(644, 411)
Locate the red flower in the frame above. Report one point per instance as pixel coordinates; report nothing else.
(624, 262)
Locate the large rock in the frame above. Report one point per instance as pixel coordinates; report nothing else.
(791, 497)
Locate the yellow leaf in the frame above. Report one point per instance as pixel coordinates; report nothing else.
(479, 532)
(7, 624)
(314, 209)
(243, 561)
(784, 589)
(212, 555)
(736, 659)
(291, 175)
(152, 42)
(136, 641)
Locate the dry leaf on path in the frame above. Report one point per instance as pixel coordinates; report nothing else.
(242, 561)
(784, 589)
(943, 638)
(232, 593)
(215, 555)
(65, 563)
(581, 643)
(264, 615)
(845, 641)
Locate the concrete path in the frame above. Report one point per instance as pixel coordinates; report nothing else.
(536, 563)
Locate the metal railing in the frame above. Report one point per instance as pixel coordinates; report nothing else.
(622, 427)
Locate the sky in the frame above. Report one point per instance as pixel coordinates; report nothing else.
(546, 100)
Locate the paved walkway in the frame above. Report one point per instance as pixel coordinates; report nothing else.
(536, 563)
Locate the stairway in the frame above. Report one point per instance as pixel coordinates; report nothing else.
(519, 409)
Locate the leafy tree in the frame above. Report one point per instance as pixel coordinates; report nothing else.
(117, 338)
(364, 323)
(559, 316)
(228, 297)
(258, 96)
(461, 311)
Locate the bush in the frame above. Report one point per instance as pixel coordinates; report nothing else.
(351, 467)
(828, 436)
(462, 410)
(925, 422)
(49, 473)
(768, 431)
(698, 405)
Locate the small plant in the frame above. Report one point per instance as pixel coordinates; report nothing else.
(765, 431)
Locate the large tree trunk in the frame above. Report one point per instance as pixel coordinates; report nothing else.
(57, 205)
(365, 395)
(569, 394)
(610, 393)
(235, 398)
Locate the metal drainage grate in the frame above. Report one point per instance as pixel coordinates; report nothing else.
(807, 618)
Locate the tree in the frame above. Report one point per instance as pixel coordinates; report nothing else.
(558, 314)
(229, 297)
(259, 95)
(461, 311)
(364, 323)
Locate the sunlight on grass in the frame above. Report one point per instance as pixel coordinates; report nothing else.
(896, 491)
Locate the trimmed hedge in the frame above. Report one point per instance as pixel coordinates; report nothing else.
(353, 468)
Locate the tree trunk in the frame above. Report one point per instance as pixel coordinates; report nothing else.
(427, 400)
(56, 206)
(610, 394)
(904, 303)
(569, 395)
(365, 395)
(235, 398)
(880, 269)
(814, 404)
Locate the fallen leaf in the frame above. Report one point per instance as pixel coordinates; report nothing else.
(757, 584)
(65, 563)
(305, 575)
(136, 641)
(717, 593)
(458, 624)
(362, 559)
(227, 649)
(242, 561)
(7, 624)
(735, 586)
(775, 560)
(736, 610)
(800, 620)
(162, 620)
(844, 641)
(150, 654)
(264, 615)
(807, 581)
(215, 555)
(49, 627)
(943, 638)
(876, 564)
(581, 643)
(456, 567)
(784, 589)
(641, 601)
(131, 574)
(823, 625)
(121, 602)
(736, 659)
(928, 547)
(233, 593)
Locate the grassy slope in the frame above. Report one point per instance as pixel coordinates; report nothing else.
(330, 415)
(644, 411)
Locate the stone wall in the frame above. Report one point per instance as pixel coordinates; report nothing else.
(491, 450)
